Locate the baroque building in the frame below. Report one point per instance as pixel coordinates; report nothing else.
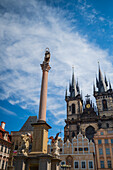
(79, 154)
(85, 117)
(5, 146)
(103, 140)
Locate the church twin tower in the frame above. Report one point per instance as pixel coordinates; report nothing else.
(85, 117)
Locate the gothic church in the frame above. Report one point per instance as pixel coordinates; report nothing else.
(83, 116)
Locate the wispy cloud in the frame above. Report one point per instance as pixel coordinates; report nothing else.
(8, 111)
(25, 33)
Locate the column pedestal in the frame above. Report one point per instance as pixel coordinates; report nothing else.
(40, 137)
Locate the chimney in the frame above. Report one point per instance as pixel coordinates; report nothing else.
(3, 125)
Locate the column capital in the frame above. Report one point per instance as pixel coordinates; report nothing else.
(45, 66)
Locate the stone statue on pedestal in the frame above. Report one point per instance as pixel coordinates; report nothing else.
(55, 147)
(24, 149)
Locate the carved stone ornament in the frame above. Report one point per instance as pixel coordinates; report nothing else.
(24, 149)
(45, 66)
(56, 149)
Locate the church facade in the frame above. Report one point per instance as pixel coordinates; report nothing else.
(84, 117)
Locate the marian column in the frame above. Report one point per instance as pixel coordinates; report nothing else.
(43, 96)
(40, 132)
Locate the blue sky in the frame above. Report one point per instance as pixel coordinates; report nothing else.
(78, 33)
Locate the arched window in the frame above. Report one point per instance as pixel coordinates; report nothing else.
(89, 132)
(104, 103)
(69, 161)
(73, 108)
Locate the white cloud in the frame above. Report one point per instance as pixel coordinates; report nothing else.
(8, 111)
(24, 35)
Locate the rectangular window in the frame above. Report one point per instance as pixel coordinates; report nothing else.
(60, 149)
(85, 149)
(5, 149)
(102, 164)
(107, 151)
(2, 148)
(83, 164)
(6, 165)
(111, 140)
(3, 164)
(76, 165)
(109, 163)
(106, 141)
(80, 149)
(99, 141)
(90, 164)
(100, 151)
(102, 133)
(75, 149)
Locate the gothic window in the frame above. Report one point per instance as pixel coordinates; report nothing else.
(78, 106)
(89, 132)
(73, 108)
(69, 161)
(107, 125)
(104, 103)
(73, 134)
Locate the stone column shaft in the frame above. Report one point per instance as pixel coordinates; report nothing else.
(43, 96)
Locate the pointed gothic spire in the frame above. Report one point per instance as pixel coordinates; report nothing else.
(73, 89)
(101, 85)
(106, 81)
(77, 86)
(97, 83)
(66, 92)
(110, 85)
(73, 78)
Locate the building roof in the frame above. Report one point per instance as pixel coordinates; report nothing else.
(27, 125)
(4, 135)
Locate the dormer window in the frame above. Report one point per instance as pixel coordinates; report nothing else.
(104, 103)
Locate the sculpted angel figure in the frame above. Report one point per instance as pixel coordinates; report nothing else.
(25, 144)
(55, 145)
